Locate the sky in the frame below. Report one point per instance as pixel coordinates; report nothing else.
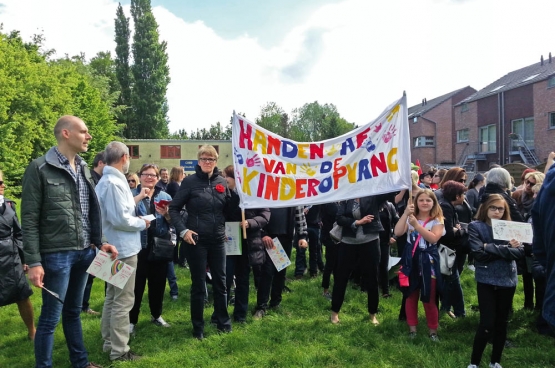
(359, 55)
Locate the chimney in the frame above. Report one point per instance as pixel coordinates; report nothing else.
(422, 102)
(549, 58)
(425, 101)
(541, 60)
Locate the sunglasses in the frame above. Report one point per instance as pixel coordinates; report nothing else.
(529, 183)
(496, 209)
(131, 181)
(462, 180)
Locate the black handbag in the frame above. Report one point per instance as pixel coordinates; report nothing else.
(162, 250)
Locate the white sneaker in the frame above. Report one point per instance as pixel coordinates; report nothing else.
(472, 366)
(495, 365)
(159, 322)
(131, 329)
(472, 268)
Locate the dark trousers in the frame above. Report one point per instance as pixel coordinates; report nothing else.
(239, 266)
(383, 268)
(453, 294)
(153, 272)
(87, 293)
(331, 263)
(271, 284)
(181, 258)
(528, 286)
(495, 305)
(314, 251)
(213, 255)
(349, 255)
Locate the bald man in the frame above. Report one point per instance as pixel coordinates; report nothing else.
(61, 222)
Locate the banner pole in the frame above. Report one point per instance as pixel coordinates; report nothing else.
(243, 221)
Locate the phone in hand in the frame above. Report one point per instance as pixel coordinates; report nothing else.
(162, 203)
(195, 238)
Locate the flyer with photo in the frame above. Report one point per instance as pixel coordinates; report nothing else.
(114, 272)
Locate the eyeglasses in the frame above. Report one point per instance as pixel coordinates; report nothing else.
(131, 181)
(150, 175)
(206, 159)
(497, 209)
(529, 183)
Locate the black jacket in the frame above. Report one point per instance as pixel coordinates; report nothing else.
(454, 239)
(368, 206)
(207, 200)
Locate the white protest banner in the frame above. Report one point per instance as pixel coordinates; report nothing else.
(278, 255)
(272, 171)
(508, 230)
(233, 238)
(114, 272)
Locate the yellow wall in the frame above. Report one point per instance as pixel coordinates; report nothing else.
(149, 151)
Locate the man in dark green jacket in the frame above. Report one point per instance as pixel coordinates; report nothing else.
(61, 224)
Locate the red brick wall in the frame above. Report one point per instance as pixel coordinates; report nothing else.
(544, 103)
(466, 120)
(519, 104)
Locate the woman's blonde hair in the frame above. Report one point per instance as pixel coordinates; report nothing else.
(435, 212)
(207, 150)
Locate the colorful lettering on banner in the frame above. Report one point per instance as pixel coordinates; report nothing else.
(278, 172)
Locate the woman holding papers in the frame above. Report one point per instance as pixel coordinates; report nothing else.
(148, 197)
(420, 259)
(496, 278)
(252, 252)
(360, 219)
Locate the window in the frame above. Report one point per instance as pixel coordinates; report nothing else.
(170, 151)
(464, 107)
(530, 78)
(134, 151)
(497, 88)
(462, 135)
(524, 128)
(551, 82)
(552, 120)
(415, 119)
(488, 139)
(424, 141)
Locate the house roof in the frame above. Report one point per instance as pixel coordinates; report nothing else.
(528, 75)
(420, 109)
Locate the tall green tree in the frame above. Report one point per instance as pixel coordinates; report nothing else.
(274, 118)
(150, 75)
(315, 122)
(123, 71)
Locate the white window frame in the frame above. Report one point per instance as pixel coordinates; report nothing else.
(424, 141)
(528, 138)
(461, 135)
(488, 144)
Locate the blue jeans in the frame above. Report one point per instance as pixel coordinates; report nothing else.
(452, 295)
(65, 274)
(172, 280)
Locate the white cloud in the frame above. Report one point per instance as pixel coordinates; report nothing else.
(358, 55)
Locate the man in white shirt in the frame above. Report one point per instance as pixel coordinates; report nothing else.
(121, 228)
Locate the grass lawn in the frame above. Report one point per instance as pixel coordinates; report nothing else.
(298, 334)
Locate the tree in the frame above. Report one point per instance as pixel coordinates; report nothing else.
(313, 122)
(215, 132)
(150, 75)
(274, 118)
(123, 72)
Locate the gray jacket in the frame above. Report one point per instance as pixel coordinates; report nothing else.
(494, 259)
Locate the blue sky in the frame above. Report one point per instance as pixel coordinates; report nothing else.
(359, 55)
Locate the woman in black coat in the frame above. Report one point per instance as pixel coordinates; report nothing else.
(253, 252)
(14, 287)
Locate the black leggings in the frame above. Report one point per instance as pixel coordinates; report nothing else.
(348, 257)
(495, 305)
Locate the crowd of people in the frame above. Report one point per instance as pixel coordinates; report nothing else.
(70, 212)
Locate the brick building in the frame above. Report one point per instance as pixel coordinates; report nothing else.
(432, 132)
(510, 120)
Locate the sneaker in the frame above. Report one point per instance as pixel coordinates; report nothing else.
(472, 268)
(412, 335)
(91, 312)
(495, 365)
(159, 322)
(129, 356)
(434, 337)
(174, 298)
(327, 295)
(131, 329)
(259, 314)
(472, 366)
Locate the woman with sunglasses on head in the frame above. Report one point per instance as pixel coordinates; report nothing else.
(147, 198)
(14, 287)
(496, 278)
(208, 200)
(132, 180)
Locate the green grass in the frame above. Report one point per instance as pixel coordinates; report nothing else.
(299, 334)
